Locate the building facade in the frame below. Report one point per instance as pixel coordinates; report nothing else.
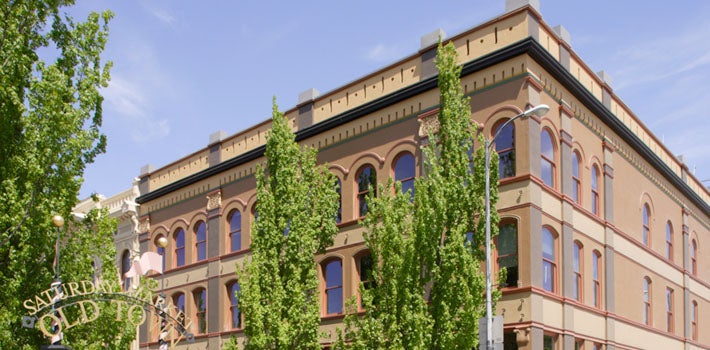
(602, 228)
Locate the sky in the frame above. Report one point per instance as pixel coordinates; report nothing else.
(183, 70)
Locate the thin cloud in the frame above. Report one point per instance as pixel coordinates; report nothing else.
(384, 53)
(165, 17)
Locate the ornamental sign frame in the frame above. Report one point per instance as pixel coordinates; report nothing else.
(46, 310)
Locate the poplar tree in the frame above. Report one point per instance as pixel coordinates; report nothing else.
(429, 289)
(50, 116)
(296, 209)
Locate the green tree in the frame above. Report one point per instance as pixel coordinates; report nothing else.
(296, 205)
(429, 290)
(50, 114)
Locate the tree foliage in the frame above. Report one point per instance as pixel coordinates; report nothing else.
(50, 114)
(430, 290)
(296, 205)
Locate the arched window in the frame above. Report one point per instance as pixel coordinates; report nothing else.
(236, 316)
(507, 250)
(670, 305)
(179, 302)
(201, 241)
(694, 320)
(505, 146)
(577, 266)
(576, 180)
(364, 273)
(339, 190)
(404, 169)
(200, 299)
(646, 234)
(366, 177)
(179, 239)
(547, 158)
(595, 190)
(694, 258)
(669, 241)
(125, 266)
(596, 280)
(549, 260)
(235, 230)
(333, 275)
(647, 317)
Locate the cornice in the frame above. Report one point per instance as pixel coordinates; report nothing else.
(528, 46)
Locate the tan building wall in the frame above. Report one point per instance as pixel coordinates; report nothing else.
(374, 119)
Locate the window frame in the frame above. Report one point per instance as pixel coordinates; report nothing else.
(234, 306)
(647, 300)
(576, 179)
(694, 320)
(200, 310)
(594, 183)
(548, 158)
(646, 225)
(366, 284)
(596, 279)
(578, 269)
(125, 267)
(200, 242)
(339, 190)
(363, 193)
(670, 308)
(179, 250)
(498, 257)
(694, 257)
(403, 178)
(504, 152)
(235, 233)
(551, 262)
(327, 288)
(669, 240)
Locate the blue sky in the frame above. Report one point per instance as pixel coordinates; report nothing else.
(185, 69)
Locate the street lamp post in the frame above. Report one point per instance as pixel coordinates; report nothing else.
(163, 334)
(539, 111)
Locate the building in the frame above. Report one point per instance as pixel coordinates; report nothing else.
(604, 228)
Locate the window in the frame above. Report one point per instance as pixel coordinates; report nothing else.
(201, 241)
(510, 341)
(547, 160)
(549, 342)
(694, 258)
(578, 344)
(595, 190)
(669, 310)
(200, 297)
(125, 266)
(339, 190)
(366, 177)
(179, 239)
(576, 181)
(364, 270)
(647, 301)
(694, 320)
(596, 281)
(236, 316)
(646, 234)
(179, 302)
(577, 265)
(505, 146)
(404, 172)
(549, 263)
(507, 250)
(669, 241)
(235, 230)
(333, 272)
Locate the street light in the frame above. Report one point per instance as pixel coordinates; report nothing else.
(539, 111)
(162, 243)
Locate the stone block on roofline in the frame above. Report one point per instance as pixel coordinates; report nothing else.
(217, 136)
(563, 33)
(605, 77)
(146, 169)
(308, 95)
(432, 38)
(511, 5)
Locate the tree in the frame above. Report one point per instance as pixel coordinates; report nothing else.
(296, 205)
(429, 290)
(50, 115)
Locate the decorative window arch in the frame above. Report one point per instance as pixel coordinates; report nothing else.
(576, 179)
(366, 178)
(125, 266)
(404, 169)
(547, 158)
(235, 230)
(333, 286)
(179, 250)
(578, 268)
(235, 319)
(595, 190)
(646, 228)
(200, 241)
(549, 260)
(505, 146)
(647, 297)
